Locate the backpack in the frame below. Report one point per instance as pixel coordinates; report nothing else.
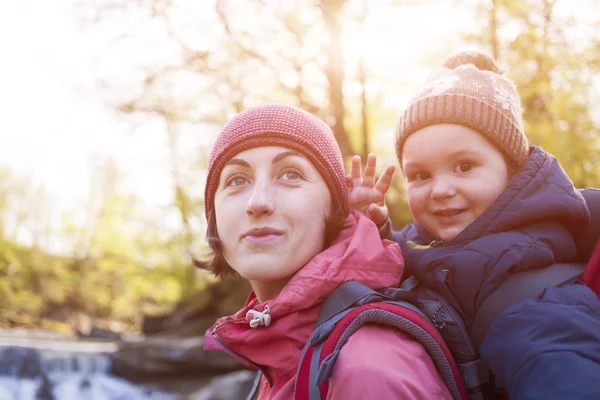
(591, 276)
(587, 251)
(434, 321)
(427, 317)
(346, 310)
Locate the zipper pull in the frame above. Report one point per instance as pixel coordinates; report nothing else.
(416, 246)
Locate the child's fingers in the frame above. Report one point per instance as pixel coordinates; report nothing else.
(377, 214)
(369, 178)
(349, 182)
(385, 180)
(356, 172)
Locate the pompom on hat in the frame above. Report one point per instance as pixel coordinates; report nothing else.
(280, 125)
(469, 90)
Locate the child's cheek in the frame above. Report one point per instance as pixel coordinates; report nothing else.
(416, 201)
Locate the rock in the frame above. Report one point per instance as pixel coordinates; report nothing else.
(99, 333)
(235, 385)
(153, 324)
(197, 312)
(45, 390)
(169, 356)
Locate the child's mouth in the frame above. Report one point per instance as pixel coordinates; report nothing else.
(449, 212)
(449, 215)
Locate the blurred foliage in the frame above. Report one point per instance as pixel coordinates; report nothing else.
(119, 269)
(120, 260)
(554, 73)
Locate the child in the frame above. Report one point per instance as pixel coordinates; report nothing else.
(487, 205)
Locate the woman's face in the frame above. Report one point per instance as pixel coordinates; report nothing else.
(270, 205)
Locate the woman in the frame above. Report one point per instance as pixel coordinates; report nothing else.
(277, 209)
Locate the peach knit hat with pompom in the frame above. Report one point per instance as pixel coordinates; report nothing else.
(470, 90)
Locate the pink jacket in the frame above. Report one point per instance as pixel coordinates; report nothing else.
(379, 363)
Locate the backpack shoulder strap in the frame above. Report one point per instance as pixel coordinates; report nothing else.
(323, 347)
(355, 293)
(255, 389)
(346, 295)
(588, 239)
(591, 275)
(518, 287)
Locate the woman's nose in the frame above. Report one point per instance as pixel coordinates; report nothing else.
(261, 201)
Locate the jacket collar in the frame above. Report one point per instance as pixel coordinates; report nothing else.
(357, 255)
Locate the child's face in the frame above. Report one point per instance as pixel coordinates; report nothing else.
(453, 175)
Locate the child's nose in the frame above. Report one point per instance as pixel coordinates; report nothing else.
(261, 201)
(443, 187)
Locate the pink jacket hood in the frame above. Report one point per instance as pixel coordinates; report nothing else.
(358, 255)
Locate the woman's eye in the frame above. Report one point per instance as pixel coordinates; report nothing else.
(465, 166)
(237, 181)
(291, 175)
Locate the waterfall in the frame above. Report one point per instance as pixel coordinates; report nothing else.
(58, 364)
(65, 371)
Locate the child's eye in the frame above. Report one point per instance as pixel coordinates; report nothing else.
(464, 167)
(422, 176)
(292, 175)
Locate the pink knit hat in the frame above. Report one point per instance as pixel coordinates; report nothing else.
(470, 90)
(280, 125)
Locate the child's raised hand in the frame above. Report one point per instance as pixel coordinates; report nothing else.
(366, 195)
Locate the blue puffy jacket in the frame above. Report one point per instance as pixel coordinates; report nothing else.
(546, 348)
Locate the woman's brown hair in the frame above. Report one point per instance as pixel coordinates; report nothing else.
(218, 266)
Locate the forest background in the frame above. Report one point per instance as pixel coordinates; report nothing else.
(111, 108)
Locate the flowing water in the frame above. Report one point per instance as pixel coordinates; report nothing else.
(49, 366)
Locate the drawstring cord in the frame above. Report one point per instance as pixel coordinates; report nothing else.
(257, 318)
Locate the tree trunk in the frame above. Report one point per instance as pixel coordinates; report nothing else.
(364, 104)
(183, 205)
(494, 30)
(335, 73)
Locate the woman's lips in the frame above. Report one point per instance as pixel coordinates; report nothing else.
(262, 239)
(262, 235)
